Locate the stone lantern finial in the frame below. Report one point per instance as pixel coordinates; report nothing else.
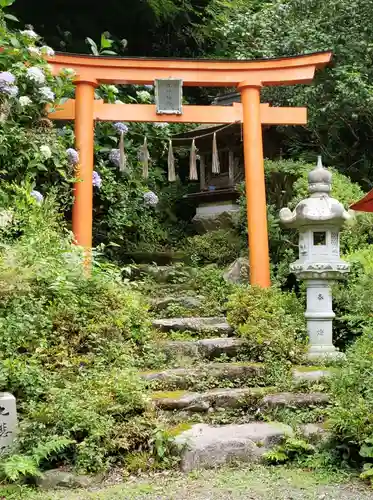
(319, 219)
(319, 179)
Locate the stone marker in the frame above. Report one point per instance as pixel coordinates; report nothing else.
(8, 421)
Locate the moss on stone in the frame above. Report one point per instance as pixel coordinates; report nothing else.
(179, 428)
(302, 368)
(168, 395)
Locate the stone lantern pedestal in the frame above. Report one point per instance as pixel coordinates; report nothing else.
(319, 219)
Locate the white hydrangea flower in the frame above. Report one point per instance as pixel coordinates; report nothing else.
(34, 51)
(161, 124)
(30, 34)
(45, 151)
(46, 94)
(113, 89)
(150, 199)
(67, 72)
(24, 100)
(143, 95)
(48, 51)
(36, 75)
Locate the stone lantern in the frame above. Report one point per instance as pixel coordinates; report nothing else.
(319, 219)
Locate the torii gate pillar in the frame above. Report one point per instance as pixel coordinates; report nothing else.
(255, 185)
(84, 143)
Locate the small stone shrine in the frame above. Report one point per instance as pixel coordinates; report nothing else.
(8, 421)
(319, 219)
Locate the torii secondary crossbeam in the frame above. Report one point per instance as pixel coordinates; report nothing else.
(248, 76)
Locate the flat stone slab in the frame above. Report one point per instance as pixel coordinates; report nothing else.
(218, 325)
(296, 399)
(207, 348)
(309, 375)
(187, 302)
(162, 274)
(204, 401)
(187, 377)
(204, 446)
(236, 398)
(58, 478)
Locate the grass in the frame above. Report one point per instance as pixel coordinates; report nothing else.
(254, 483)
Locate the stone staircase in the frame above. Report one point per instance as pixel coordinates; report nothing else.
(198, 397)
(220, 405)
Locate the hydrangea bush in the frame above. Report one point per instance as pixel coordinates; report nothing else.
(30, 150)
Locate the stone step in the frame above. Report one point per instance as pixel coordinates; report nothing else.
(207, 375)
(204, 325)
(212, 375)
(244, 397)
(187, 302)
(163, 274)
(206, 348)
(204, 446)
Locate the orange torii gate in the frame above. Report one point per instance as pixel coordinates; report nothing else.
(248, 76)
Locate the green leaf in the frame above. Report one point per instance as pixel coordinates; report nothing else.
(106, 43)
(109, 52)
(366, 451)
(93, 45)
(11, 17)
(368, 472)
(15, 43)
(6, 3)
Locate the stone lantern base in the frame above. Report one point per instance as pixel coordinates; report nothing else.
(324, 353)
(319, 316)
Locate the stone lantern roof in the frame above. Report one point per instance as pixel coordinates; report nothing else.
(319, 208)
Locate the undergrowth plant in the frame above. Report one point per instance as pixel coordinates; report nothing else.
(69, 347)
(271, 322)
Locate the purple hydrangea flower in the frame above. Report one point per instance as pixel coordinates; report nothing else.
(7, 86)
(72, 156)
(37, 196)
(150, 199)
(120, 127)
(10, 90)
(7, 78)
(114, 157)
(96, 180)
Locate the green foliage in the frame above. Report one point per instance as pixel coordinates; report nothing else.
(272, 322)
(340, 104)
(219, 247)
(18, 467)
(69, 346)
(352, 299)
(351, 414)
(291, 449)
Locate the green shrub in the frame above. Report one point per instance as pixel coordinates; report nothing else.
(351, 416)
(272, 322)
(352, 299)
(68, 345)
(219, 247)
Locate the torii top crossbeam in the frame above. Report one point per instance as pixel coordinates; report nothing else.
(247, 76)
